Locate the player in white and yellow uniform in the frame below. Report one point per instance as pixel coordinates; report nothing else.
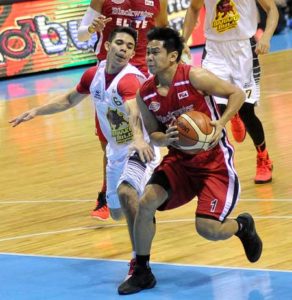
(231, 52)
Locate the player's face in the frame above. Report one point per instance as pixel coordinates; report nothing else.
(157, 57)
(121, 49)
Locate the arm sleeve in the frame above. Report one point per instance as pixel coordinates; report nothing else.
(83, 34)
(83, 87)
(128, 86)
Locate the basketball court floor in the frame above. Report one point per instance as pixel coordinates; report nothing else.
(51, 170)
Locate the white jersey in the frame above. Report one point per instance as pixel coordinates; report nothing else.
(228, 20)
(111, 112)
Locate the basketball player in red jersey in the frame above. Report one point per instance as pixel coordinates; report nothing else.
(101, 17)
(209, 175)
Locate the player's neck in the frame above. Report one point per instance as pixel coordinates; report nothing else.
(165, 78)
(112, 69)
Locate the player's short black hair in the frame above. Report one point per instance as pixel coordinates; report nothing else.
(172, 41)
(123, 29)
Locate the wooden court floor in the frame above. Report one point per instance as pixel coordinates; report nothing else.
(51, 171)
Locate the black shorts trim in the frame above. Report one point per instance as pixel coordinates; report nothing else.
(161, 179)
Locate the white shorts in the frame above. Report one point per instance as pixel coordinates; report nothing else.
(132, 170)
(236, 62)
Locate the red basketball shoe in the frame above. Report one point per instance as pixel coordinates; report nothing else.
(101, 210)
(238, 129)
(264, 168)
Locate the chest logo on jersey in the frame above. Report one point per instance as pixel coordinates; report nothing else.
(149, 2)
(226, 16)
(183, 95)
(118, 1)
(119, 125)
(154, 106)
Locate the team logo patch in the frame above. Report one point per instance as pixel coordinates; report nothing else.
(149, 2)
(183, 95)
(118, 1)
(154, 106)
(226, 16)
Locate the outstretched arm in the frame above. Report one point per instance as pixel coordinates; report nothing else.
(269, 6)
(61, 103)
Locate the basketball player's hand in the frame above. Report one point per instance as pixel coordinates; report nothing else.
(98, 24)
(263, 45)
(186, 55)
(26, 116)
(145, 151)
(171, 135)
(217, 134)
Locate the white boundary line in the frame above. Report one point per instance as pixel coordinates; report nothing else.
(88, 200)
(156, 263)
(5, 239)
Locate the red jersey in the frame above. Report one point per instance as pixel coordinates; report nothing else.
(140, 15)
(181, 97)
(210, 175)
(127, 86)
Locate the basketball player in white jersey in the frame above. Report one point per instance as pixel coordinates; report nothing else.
(112, 86)
(231, 53)
(101, 17)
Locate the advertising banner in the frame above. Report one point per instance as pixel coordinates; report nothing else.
(41, 35)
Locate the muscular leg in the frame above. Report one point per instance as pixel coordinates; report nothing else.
(215, 230)
(129, 202)
(252, 123)
(144, 229)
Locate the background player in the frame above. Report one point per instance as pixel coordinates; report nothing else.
(231, 53)
(101, 17)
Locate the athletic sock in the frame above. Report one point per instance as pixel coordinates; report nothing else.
(143, 261)
(261, 147)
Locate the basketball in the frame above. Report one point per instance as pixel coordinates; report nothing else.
(195, 132)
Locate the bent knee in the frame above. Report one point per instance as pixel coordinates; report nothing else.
(209, 229)
(128, 196)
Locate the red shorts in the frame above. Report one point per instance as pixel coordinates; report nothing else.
(98, 131)
(209, 175)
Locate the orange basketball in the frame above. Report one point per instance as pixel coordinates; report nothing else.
(195, 131)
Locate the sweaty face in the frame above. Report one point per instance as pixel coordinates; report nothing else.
(121, 49)
(156, 57)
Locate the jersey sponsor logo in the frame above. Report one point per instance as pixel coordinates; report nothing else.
(117, 11)
(154, 106)
(176, 113)
(120, 129)
(97, 94)
(149, 2)
(226, 16)
(136, 24)
(183, 95)
(118, 1)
